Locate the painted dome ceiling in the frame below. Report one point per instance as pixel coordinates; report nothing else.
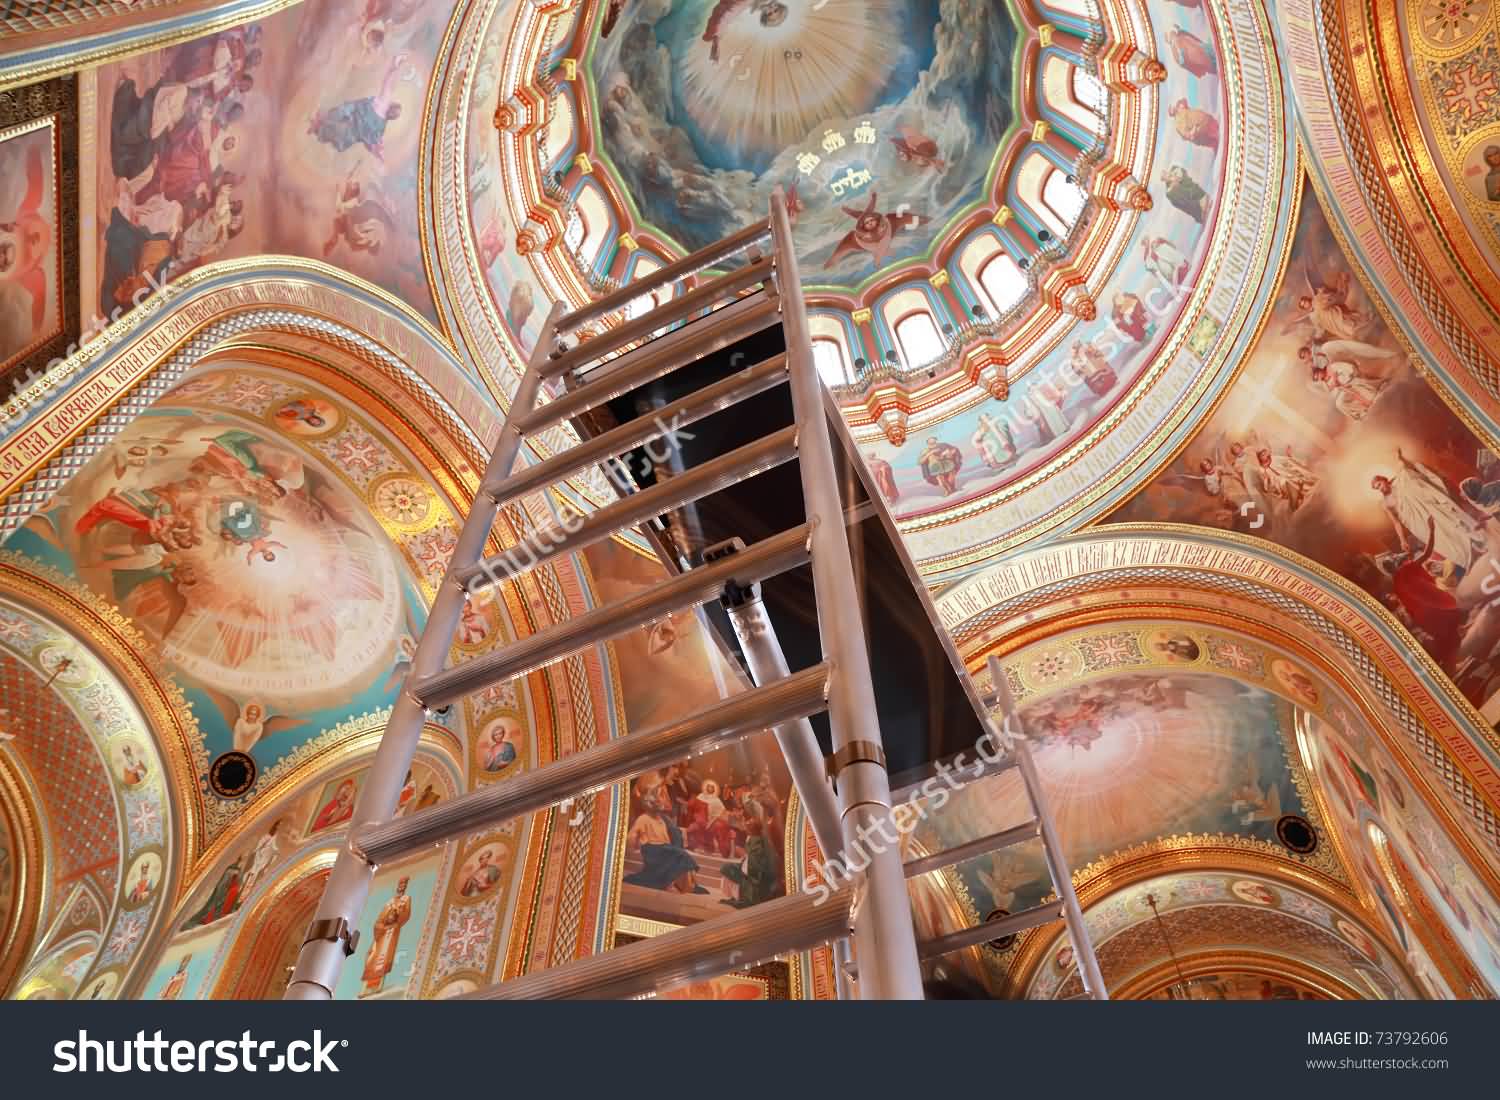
(851, 108)
(1062, 268)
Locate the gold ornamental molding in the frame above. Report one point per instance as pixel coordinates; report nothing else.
(96, 32)
(1335, 628)
(20, 927)
(153, 347)
(1387, 204)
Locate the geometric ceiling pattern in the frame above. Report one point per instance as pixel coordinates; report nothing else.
(71, 781)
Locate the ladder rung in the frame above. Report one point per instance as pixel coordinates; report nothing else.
(761, 560)
(688, 410)
(677, 309)
(650, 361)
(971, 772)
(991, 930)
(697, 261)
(738, 465)
(984, 845)
(794, 923)
(791, 697)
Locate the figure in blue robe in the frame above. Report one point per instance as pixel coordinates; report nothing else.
(664, 864)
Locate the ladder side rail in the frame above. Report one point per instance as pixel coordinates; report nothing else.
(799, 748)
(1062, 877)
(884, 937)
(322, 956)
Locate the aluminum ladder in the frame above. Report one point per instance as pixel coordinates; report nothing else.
(1011, 735)
(764, 292)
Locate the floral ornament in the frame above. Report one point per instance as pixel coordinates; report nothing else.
(14, 630)
(465, 939)
(1053, 666)
(355, 451)
(403, 501)
(127, 936)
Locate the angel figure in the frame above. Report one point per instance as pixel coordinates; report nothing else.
(1003, 879)
(1353, 394)
(1252, 801)
(363, 121)
(873, 232)
(1415, 500)
(1224, 487)
(251, 722)
(1326, 305)
(1285, 476)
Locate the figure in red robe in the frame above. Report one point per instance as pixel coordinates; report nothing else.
(26, 242)
(1431, 607)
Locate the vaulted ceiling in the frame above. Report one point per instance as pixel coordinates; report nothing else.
(1128, 309)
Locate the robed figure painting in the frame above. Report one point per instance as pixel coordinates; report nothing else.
(386, 936)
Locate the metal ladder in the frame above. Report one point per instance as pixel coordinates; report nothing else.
(875, 908)
(1011, 734)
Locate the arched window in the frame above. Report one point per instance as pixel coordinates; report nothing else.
(1063, 92)
(1003, 284)
(833, 366)
(575, 231)
(918, 340)
(1088, 90)
(637, 306)
(588, 237)
(559, 132)
(1064, 198)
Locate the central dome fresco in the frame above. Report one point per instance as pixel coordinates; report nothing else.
(880, 120)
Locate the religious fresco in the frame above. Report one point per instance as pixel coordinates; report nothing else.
(935, 468)
(1211, 911)
(1127, 759)
(39, 315)
(1332, 445)
(100, 780)
(705, 108)
(1240, 986)
(1375, 807)
(520, 303)
(229, 146)
(390, 929)
(30, 282)
(182, 968)
(274, 545)
(706, 834)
